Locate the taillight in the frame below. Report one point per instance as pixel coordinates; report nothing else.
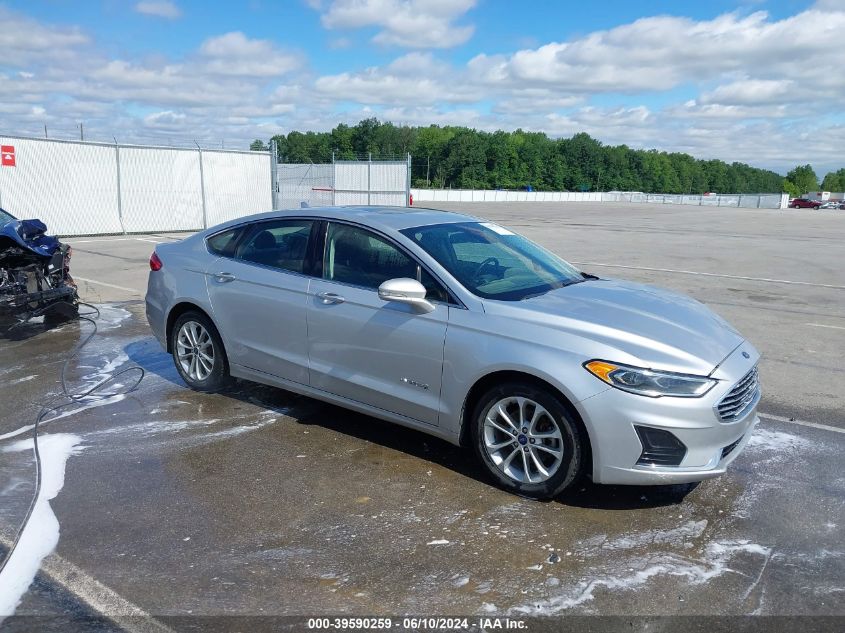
(155, 262)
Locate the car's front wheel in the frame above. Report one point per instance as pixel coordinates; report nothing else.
(527, 440)
(198, 352)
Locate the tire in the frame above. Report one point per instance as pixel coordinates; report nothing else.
(207, 370)
(560, 431)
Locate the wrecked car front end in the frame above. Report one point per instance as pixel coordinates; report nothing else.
(34, 273)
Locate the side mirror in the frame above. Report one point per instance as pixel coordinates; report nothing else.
(407, 291)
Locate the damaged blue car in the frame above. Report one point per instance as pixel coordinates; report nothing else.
(34, 274)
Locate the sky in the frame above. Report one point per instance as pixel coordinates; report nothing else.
(760, 82)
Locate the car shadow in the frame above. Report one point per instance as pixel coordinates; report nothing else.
(308, 411)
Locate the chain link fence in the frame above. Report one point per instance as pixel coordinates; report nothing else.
(367, 182)
(84, 188)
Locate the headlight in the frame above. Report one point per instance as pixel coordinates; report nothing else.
(648, 382)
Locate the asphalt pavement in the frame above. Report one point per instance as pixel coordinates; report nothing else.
(260, 502)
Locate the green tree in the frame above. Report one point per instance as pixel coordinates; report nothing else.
(804, 178)
(448, 156)
(791, 188)
(834, 181)
(258, 146)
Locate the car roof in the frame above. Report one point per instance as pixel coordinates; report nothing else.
(385, 218)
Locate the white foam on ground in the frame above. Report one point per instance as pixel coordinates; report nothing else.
(673, 536)
(111, 316)
(153, 427)
(106, 370)
(41, 534)
(717, 556)
(769, 440)
(18, 381)
(17, 432)
(89, 402)
(168, 428)
(9, 370)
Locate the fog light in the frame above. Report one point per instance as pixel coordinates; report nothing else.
(660, 448)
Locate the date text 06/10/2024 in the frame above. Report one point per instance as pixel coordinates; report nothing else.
(416, 624)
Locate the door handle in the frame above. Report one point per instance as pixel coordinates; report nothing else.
(224, 277)
(330, 297)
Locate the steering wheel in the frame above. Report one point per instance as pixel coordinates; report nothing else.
(489, 262)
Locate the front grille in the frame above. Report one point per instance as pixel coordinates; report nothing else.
(734, 405)
(730, 447)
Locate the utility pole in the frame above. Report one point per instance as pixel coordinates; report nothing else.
(81, 133)
(45, 131)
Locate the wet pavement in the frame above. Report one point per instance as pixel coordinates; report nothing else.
(260, 502)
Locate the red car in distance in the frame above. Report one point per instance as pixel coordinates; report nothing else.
(803, 203)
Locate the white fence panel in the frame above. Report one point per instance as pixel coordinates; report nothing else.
(80, 188)
(351, 198)
(350, 177)
(380, 183)
(72, 187)
(236, 184)
(160, 189)
(763, 201)
(304, 183)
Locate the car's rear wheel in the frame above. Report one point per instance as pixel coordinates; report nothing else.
(198, 352)
(527, 440)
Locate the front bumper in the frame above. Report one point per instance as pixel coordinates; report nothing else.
(611, 418)
(23, 305)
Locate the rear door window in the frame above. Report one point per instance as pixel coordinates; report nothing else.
(281, 244)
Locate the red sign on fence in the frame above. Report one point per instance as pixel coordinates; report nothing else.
(7, 155)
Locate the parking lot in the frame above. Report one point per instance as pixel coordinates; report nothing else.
(261, 502)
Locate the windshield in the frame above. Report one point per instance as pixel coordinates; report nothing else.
(493, 262)
(5, 217)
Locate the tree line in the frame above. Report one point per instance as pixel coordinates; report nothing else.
(463, 158)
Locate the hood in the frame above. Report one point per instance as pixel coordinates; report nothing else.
(24, 241)
(656, 328)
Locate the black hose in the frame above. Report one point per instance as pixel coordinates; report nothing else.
(64, 399)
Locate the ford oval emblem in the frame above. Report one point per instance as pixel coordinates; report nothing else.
(746, 355)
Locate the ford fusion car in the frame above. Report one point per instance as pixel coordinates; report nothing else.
(461, 328)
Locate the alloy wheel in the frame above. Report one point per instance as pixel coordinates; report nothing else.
(523, 440)
(195, 351)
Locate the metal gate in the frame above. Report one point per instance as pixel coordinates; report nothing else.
(367, 182)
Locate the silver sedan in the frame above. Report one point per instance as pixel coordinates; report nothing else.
(465, 330)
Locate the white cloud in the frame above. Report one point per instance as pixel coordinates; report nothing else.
(236, 54)
(754, 91)
(25, 41)
(167, 119)
(405, 23)
(663, 52)
(415, 78)
(159, 9)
